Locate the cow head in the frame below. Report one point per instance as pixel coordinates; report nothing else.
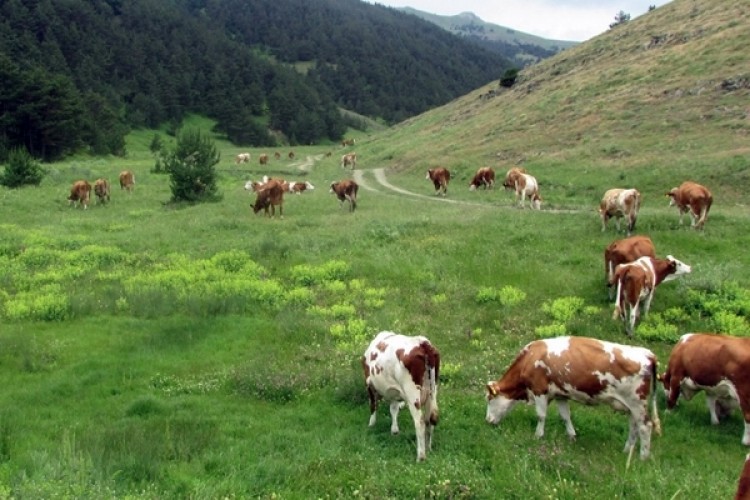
(333, 188)
(309, 185)
(672, 194)
(498, 404)
(677, 268)
(429, 175)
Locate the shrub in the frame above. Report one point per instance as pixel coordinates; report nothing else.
(191, 167)
(22, 170)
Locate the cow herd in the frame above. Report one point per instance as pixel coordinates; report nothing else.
(80, 191)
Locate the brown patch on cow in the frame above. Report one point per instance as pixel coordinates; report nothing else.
(365, 367)
(418, 404)
(382, 346)
(373, 356)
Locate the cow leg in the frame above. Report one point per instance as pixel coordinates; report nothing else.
(744, 399)
(420, 429)
(541, 413)
(563, 408)
(644, 433)
(633, 317)
(373, 405)
(711, 403)
(395, 407)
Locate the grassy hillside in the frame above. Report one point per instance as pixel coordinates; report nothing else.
(153, 350)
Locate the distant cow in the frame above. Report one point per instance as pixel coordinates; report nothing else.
(404, 371)
(346, 190)
(581, 369)
(263, 159)
(291, 155)
(485, 177)
(347, 142)
(80, 193)
(270, 195)
(101, 190)
(743, 485)
(297, 187)
(524, 185)
(277, 155)
(694, 199)
(623, 251)
(242, 158)
(127, 180)
(719, 365)
(349, 160)
(636, 283)
(620, 203)
(440, 178)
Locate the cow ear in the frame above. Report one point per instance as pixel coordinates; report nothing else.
(491, 389)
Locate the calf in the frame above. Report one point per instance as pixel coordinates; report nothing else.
(404, 371)
(485, 177)
(346, 190)
(80, 193)
(242, 158)
(269, 195)
(636, 283)
(694, 199)
(623, 251)
(101, 190)
(581, 369)
(440, 178)
(263, 159)
(719, 365)
(524, 185)
(277, 155)
(127, 180)
(620, 203)
(349, 160)
(298, 187)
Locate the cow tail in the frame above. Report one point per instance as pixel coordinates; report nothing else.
(654, 398)
(618, 299)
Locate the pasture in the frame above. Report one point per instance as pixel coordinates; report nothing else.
(152, 350)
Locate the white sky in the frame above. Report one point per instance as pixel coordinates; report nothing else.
(576, 20)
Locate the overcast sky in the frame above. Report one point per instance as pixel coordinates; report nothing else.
(575, 20)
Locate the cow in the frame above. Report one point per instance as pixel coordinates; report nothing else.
(269, 195)
(346, 190)
(623, 251)
(242, 158)
(694, 199)
(404, 371)
(743, 485)
(127, 180)
(80, 193)
(524, 185)
(636, 283)
(297, 187)
(263, 159)
(620, 203)
(586, 370)
(277, 155)
(440, 178)
(291, 155)
(347, 142)
(349, 160)
(485, 177)
(101, 190)
(717, 364)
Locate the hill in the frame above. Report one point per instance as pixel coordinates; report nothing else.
(521, 48)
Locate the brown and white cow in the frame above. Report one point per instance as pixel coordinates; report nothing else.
(743, 484)
(524, 185)
(719, 365)
(636, 283)
(80, 193)
(347, 142)
(346, 190)
(624, 251)
(263, 159)
(619, 203)
(404, 371)
(127, 180)
(581, 369)
(484, 177)
(269, 195)
(349, 160)
(242, 158)
(694, 199)
(297, 187)
(440, 178)
(101, 190)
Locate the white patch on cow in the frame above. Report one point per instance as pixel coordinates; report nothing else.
(557, 346)
(497, 408)
(680, 269)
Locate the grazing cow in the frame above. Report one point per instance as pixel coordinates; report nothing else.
(80, 193)
(263, 159)
(524, 185)
(347, 142)
(620, 203)
(127, 180)
(636, 283)
(719, 365)
(581, 369)
(404, 371)
(346, 190)
(242, 158)
(277, 155)
(270, 195)
(291, 155)
(101, 190)
(623, 251)
(297, 187)
(440, 178)
(485, 177)
(743, 485)
(349, 160)
(694, 199)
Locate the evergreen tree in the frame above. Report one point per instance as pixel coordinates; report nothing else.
(191, 167)
(22, 170)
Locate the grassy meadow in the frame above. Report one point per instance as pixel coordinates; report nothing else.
(159, 350)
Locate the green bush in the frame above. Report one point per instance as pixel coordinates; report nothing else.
(22, 170)
(191, 167)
